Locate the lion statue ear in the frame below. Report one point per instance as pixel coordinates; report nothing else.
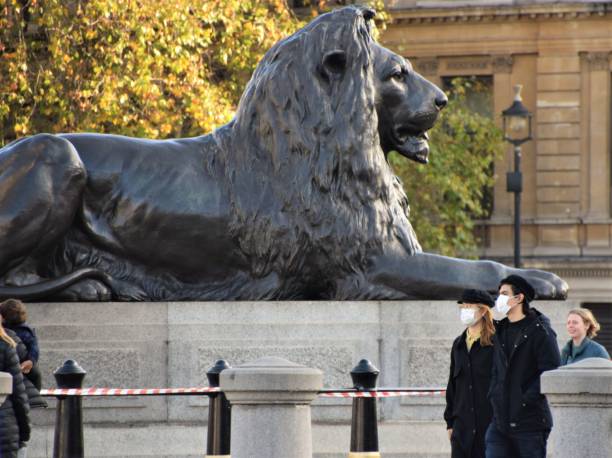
(368, 13)
(334, 64)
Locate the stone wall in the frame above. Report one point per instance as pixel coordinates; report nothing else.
(134, 345)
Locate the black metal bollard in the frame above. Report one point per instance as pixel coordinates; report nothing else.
(364, 424)
(68, 438)
(219, 415)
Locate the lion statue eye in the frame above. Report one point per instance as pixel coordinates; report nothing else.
(397, 75)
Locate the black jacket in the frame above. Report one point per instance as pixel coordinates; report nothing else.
(468, 411)
(14, 411)
(518, 404)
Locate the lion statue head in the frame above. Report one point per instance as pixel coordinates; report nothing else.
(307, 134)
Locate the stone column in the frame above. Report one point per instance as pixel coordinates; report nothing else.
(599, 162)
(270, 401)
(6, 385)
(502, 99)
(580, 396)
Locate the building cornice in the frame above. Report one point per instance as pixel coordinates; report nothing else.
(453, 12)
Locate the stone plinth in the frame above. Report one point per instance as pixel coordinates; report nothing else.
(6, 385)
(580, 395)
(270, 401)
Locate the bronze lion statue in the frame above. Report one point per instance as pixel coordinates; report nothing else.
(293, 199)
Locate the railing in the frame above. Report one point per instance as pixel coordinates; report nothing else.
(68, 435)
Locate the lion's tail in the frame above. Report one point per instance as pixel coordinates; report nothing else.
(49, 287)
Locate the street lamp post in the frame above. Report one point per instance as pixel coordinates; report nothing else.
(517, 130)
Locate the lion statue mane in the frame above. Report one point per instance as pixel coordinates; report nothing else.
(330, 198)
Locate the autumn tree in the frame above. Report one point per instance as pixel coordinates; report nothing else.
(150, 68)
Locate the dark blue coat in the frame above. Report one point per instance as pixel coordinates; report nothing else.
(518, 404)
(27, 334)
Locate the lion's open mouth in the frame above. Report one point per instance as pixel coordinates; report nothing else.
(414, 147)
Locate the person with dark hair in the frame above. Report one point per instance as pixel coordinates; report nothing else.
(468, 412)
(14, 411)
(14, 317)
(525, 346)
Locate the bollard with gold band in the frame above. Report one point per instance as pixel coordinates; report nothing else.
(219, 416)
(364, 423)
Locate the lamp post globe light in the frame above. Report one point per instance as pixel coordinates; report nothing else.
(517, 130)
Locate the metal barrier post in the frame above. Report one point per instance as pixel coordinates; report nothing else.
(68, 439)
(219, 416)
(364, 424)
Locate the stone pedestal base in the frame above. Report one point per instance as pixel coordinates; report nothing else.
(580, 397)
(270, 401)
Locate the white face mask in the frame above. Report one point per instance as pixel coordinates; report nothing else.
(468, 317)
(501, 304)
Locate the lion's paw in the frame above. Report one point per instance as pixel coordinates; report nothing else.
(546, 284)
(124, 291)
(88, 290)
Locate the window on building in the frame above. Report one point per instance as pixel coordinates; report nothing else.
(603, 314)
(479, 92)
(479, 98)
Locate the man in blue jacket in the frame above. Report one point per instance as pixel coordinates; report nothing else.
(525, 345)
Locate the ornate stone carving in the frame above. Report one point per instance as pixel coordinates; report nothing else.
(598, 60)
(477, 64)
(427, 67)
(502, 64)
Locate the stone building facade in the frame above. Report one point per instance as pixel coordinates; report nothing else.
(560, 52)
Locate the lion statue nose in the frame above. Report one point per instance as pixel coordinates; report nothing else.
(441, 100)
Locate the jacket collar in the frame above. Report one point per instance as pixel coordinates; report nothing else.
(572, 351)
(533, 320)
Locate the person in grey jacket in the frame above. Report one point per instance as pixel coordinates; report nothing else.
(582, 327)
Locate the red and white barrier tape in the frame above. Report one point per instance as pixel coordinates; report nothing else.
(379, 394)
(208, 390)
(125, 391)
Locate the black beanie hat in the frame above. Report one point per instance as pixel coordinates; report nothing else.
(521, 286)
(476, 296)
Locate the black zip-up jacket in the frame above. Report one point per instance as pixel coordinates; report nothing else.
(468, 411)
(518, 404)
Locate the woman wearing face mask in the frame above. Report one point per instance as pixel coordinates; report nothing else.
(582, 327)
(468, 412)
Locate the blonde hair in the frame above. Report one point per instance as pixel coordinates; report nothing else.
(589, 320)
(4, 336)
(488, 328)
